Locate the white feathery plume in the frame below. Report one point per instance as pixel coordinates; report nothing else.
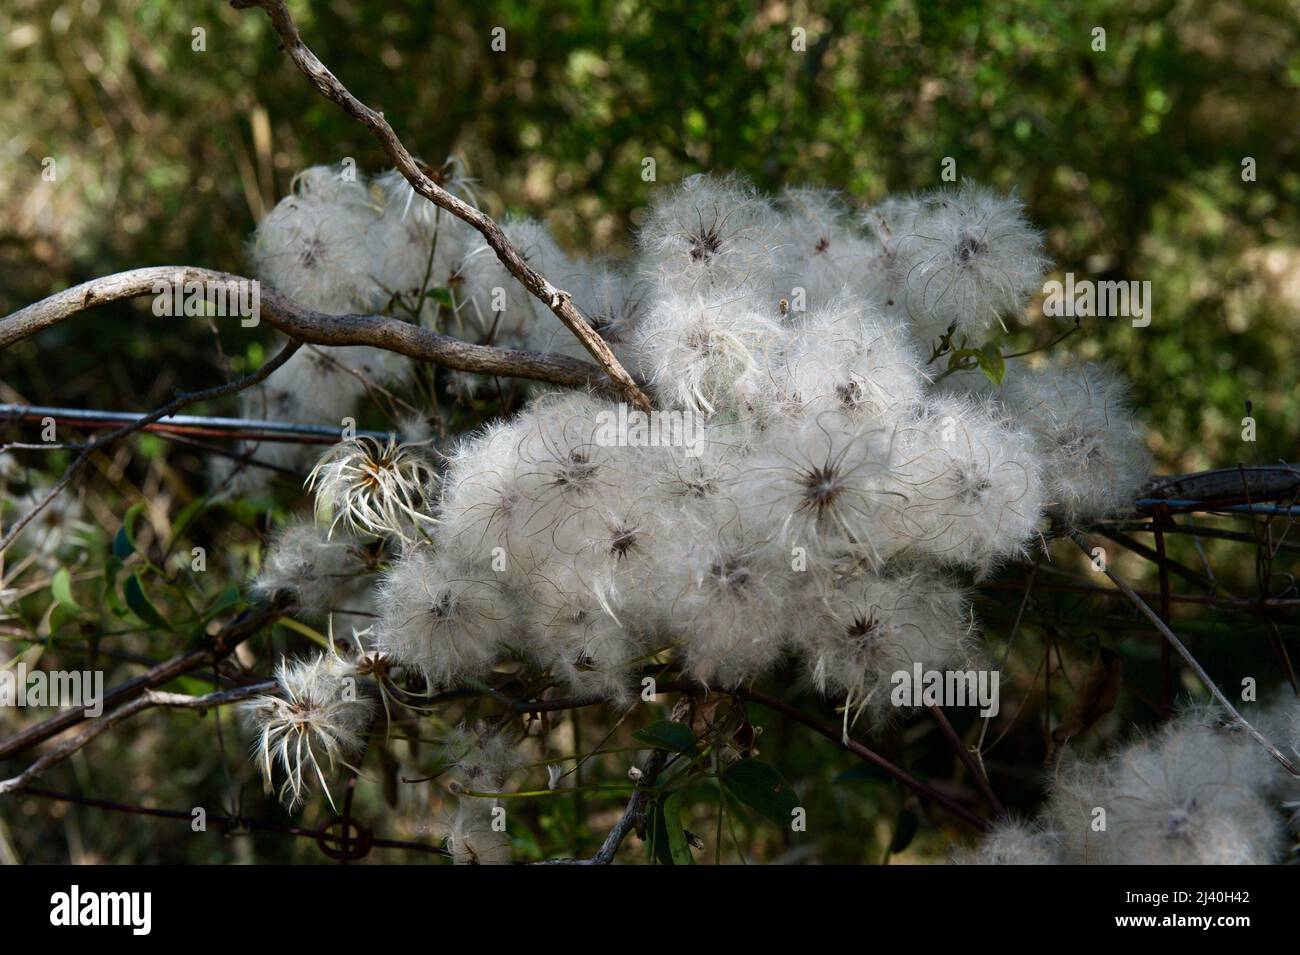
(856, 631)
(823, 486)
(1095, 459)
(609, 296)
(1194, 792)
(498, 307)
(819, 252)
(421, 246)
(969, 485)
(709, 236)
(1013, 842)
(482, 758)
(374, 487)
(1078, 807)
(567, 460)
(848, 356)
(447, 621)
(574, 637)
(320, 715)
(699, 352)
(1184, 797)
(57, 526)
(726, 590)
(967, 257)
(321, 571)
(472, 838)
(481, 496)
(317, 245)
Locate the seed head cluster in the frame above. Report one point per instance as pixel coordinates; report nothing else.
(840, 487)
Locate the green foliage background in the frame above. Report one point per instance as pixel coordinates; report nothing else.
(1130, 159)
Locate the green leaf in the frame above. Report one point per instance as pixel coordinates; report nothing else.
(442, 296)
(61, 587)
(182, 522)
(111, 569)
(141, 605)
(761, 787)
(904, 831)
(124, 540)
(991, 362)
(665, 734)
(957, 357)
(657, 831)
(227, 599)
(675, 835)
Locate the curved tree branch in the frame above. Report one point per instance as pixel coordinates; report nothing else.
(309, 327)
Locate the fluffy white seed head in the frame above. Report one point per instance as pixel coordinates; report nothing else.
(317, 385)
(822, 486)
(318, 245)
(1185, 797)
(577, 639)
(726, 591)
(318, 719)
(473, 839)
(59, 525)
(481, 498)
(1080, 800)
(324, 573)
(701, 353)
(965, 257)
(495, 304)
(481, 756)
(375, 487)
(709, 236)
(447, 621)
(1095, 459)
(1192, 793)
(1013, 842)
(821, 257)
(969, 485)
(569, 460)
(611, 298)
(855, 632)
(403, 203)
(848, 356)
(419, 246)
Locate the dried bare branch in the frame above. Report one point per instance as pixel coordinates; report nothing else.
(309, 327)
(217, 646)
(557, 300)
(626, 822)
(146, 700)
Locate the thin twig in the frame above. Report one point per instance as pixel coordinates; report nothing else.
(834, 734)
(146, 700)
(1190, 661)
(215, 647)
(182, 400)
(1006, 654)
(557, 300)
(310, 327)
(974, 769)
(229, 823)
